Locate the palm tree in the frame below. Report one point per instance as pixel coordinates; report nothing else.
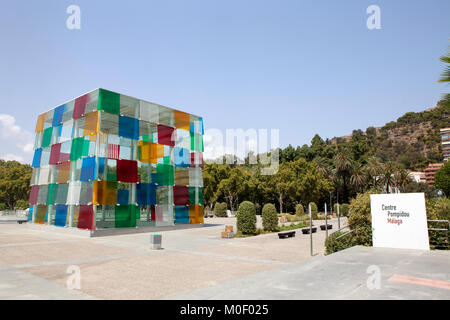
(323, 167)
(445, 77)
(373, 169)
(358, 177)
(387, 177)
(343, 164)
(401, 178)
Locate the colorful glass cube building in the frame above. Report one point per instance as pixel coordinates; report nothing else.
(107, 160)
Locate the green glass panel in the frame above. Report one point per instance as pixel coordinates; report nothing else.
(125, 216)
(166, 160)
(109, 101)
(47, 137)
(146, 138)
(196, 142)
(51, 193)
(111, 177)
(191, 195)
(200, 196)
(165, 175)
(80, 148)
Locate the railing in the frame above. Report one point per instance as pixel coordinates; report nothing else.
(443, 243)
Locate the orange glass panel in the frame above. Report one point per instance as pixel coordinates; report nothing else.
(90, 124)
(105, 192)
(40, 122)
(63, 172)
(150, 152)
(182, 120)
(40, 214)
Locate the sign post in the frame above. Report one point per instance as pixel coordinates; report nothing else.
(310, 228)
(326, 223)
(399, 220)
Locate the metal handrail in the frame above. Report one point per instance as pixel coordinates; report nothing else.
(446, 230)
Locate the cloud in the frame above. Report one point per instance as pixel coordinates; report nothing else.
(11, 157)
(12, 135)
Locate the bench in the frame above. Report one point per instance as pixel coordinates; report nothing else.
(306, 230)
(329, 226)
(286, 234)
(21, 221)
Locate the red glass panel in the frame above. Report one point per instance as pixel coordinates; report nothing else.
(86, 217)
(54, 154)
(180, 195)
(127, 171)
(80, 106)
(165, 135)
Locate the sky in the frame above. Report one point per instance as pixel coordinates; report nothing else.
(302, 67)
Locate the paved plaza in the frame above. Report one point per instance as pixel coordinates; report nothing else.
(199, 264)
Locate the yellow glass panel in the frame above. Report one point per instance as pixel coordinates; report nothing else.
(90, 124)
(63, 172)
(40, 122)
(182, 119)
(105, 192)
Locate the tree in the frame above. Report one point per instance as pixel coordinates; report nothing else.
(246, 218)
(387, 177)
(401, 178)
(445, 77)
(442, 179)
(14, 182)
(359, 177)
(220, 209)
(343, 165)
(231, 187)
(269, 217)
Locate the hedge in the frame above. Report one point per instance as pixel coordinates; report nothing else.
(269, 217)
(246, 218)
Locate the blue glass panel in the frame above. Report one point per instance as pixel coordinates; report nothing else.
(37, 158)
(87, 169)
(181, 214)
(128, 127)
(182, 157)
(61, 215)
(57, 116)
(30, 214)
(146, 194)
(122, 196)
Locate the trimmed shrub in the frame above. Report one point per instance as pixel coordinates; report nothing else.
(360, 218)
(220, 209)
(269, 217)
(293, 218)
(299, 210)
(246, 218)
(314, 210)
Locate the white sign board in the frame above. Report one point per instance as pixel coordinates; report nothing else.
(399, 220)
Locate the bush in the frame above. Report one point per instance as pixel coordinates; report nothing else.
(220, 209)
(332, 245)
(360, 218)
(269, 217)
(438, 210)
(246, 218)
(293, 218)
(299, 210)
(343, 209)
(442, 179)
(314, 210)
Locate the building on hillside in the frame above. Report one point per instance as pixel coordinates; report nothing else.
(417, 176)
(430, 171)
(107, 160)
(445, 141)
